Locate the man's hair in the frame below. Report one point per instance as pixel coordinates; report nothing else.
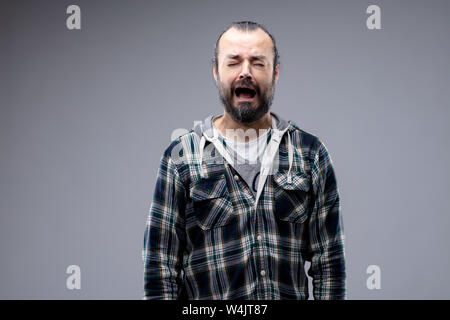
(247, 26)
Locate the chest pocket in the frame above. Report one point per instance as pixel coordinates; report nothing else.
(291, 200)
(212, 203)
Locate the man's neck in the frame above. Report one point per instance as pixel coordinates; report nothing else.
(225, 122)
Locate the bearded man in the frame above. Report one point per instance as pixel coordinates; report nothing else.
(245, 198)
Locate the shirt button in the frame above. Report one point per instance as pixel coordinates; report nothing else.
(236, 177)
(263, 273)
(259, 238)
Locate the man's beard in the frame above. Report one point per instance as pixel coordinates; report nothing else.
(245, 112)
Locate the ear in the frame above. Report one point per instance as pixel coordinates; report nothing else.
(277, 71)
(215, 72)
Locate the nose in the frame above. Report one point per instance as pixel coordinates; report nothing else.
(245, 71)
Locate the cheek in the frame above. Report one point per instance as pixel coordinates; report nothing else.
(227, 75)
(224, 87)
(263, 77)
(265, 83)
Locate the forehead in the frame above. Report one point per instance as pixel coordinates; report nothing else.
(237, 42)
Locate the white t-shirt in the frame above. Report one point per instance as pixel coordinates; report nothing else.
(252, 151)
(248, 155)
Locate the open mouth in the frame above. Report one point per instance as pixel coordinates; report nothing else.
(245, 93)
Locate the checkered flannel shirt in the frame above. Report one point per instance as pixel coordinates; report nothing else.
(205, 240)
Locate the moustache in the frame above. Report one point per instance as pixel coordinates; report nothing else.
(247, 84)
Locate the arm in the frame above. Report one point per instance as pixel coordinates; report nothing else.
(164, 237)
(326, 232)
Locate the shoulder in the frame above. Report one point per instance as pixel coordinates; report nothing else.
(307, 142)
(182, 145)
(182, 153)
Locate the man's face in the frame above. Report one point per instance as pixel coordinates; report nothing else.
(245, 75)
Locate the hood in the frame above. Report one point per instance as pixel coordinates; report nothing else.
(280, 127)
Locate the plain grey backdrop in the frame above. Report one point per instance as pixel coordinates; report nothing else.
(86, 114)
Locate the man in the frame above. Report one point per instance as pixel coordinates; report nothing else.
(245, 198)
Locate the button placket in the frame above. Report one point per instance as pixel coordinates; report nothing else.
(262, 257)
(244, 188)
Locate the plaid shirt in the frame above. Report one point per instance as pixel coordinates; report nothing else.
(205, 240)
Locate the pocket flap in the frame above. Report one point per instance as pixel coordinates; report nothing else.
(211, 200)
(291, 199)
(300, 180)
(209, 188)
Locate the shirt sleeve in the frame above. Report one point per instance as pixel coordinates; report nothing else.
(164, 239)
(326, 231)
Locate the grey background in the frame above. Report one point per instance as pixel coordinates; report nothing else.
(86, 114)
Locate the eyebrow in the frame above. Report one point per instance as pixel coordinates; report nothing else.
(236, 56)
